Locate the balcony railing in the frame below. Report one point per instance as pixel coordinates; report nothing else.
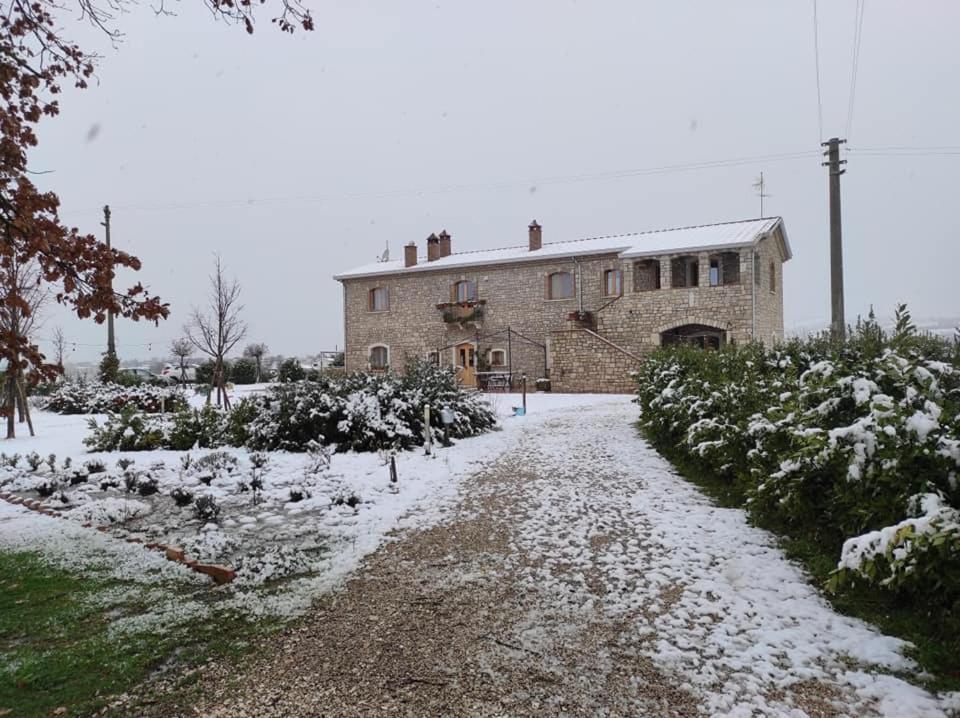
(462, 312)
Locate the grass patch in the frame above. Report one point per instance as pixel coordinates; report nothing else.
(936, 649)
(56, 649)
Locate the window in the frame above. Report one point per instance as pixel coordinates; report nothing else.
(378, 300)
(498, 357)
(433, 358)
(684, 272)
(646, 275)
(715, 273)
(379, 357)
(724, 269)
(612, 283)
(756, 269)
(773, 277)
(465, 291)
(560, 285)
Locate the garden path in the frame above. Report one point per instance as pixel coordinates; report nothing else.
(577, 575)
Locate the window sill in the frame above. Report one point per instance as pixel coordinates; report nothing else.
(378, 311)
(561, 299)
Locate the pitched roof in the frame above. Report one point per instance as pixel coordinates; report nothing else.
(730, 235)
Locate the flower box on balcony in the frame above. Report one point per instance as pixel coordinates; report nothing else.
(462, 312)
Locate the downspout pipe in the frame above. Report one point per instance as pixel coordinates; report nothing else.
(753, 295)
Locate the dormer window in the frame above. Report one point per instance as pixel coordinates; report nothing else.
(378, 300)
(560, 285)
(465, 291)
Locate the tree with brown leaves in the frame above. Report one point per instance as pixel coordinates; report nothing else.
(35, 61)
(216, 333)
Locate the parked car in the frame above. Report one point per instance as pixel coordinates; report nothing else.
(172, 372)
(142, 374)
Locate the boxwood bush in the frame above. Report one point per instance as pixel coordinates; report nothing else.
(81, 397)
(359, 412)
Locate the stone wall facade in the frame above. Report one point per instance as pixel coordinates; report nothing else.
(584, 362)
(515, 296)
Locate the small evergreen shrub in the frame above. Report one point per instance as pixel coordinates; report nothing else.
(205, 508)
(291, 370)
(244, 371)
(125, 431)
(181, 497)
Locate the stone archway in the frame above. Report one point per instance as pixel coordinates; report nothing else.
(699, 335)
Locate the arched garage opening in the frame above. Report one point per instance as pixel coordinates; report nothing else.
(698, 335)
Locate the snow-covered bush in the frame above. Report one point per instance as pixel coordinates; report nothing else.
(206, 508)
(854, 446)
(363, 412)
(96, 398)
(202, 428)
(124, 431)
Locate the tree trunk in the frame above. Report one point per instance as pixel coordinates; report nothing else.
(9, 401)
(23, 405)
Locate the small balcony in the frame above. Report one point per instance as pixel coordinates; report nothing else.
(462, 313)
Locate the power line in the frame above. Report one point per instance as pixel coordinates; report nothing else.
(816, 57)
(857, 38)
(400, 193)
(905, 151)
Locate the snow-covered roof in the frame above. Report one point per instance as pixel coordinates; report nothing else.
(637, 244)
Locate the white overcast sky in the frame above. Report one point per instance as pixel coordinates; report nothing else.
(299, 157)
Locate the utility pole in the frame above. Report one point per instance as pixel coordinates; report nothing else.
(838, 325)
(111, 340)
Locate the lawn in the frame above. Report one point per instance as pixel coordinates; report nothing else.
(61, 652)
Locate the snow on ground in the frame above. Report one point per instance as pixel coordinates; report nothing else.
(708, 597)
(309, 524)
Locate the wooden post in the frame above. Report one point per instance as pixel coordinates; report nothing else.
(393, 469)
(427, 435)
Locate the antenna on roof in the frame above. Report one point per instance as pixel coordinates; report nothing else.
(759, 185)
(385, 257)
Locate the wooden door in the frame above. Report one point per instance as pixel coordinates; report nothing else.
(467, 360)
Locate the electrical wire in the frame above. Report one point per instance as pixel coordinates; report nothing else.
(816, 58)
(400, 193)
(857, 38)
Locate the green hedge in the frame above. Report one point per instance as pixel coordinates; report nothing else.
(854, 447)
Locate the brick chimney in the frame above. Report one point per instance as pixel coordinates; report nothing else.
(536, 236)
(444, 244)
(433, 248)
(410, 255)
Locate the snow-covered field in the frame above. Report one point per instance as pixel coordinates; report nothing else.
(291, 524)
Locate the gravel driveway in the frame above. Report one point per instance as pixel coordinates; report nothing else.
(577, 575)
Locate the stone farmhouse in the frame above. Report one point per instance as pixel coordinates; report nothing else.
(580, 313)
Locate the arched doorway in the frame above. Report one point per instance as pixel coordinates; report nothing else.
(698, 335)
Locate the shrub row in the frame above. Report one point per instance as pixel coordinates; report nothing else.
(856, 447)
(358, 412)
(97, 398)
